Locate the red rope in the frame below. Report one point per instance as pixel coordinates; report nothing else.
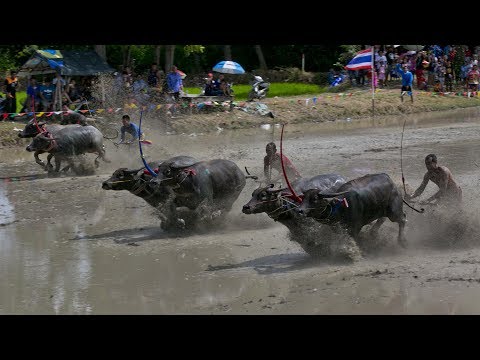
(35, 116)
(294, 195)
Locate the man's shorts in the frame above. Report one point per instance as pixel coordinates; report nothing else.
(406, 88)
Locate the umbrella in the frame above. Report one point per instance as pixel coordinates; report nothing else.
(182, 74)
(229, 67)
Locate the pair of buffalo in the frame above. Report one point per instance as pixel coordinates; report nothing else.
(209, 189)
(64, 142)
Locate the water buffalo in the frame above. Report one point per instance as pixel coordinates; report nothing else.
(72, 117)
(31, 130)
(69, 142)
(356, 203)
(160, 197)
(209, 188)
(312, 236)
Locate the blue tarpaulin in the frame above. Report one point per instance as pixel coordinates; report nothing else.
(68, 63)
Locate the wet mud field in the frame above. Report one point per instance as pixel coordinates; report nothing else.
(69, 247)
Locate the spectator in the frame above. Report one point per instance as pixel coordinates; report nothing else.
(47, 90)
(449, 75)
(59, 83)
(473, 77)
(11, 85)
(154, 79)
(407, 80)
(382, 69)
(174, 83)
(73, 92)
(221, 86)
(209, 85)
(32, 102)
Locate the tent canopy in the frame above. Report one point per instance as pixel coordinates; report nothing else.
(69, 63)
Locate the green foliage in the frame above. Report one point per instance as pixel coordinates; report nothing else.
(276, 89)
(191, 49)
(7, 62)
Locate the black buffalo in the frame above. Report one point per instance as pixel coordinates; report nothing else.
(310, 234)
(209, 188)
(160, 197)
(31, 130)
(69, 142)
(357, 203)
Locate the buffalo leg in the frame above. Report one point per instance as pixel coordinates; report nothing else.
(58, 162)
(402, 241)
(375, 227)
(49, 165)
(38, 160)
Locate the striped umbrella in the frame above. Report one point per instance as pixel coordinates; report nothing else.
(229, 67)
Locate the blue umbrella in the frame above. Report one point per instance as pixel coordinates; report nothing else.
(229, 67)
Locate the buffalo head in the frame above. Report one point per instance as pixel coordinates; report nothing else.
(264, 199)
(121, 179)
(41, 142)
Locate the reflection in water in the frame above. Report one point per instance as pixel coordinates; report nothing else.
(7, 214)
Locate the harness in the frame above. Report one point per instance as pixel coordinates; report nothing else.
(53, 142)
(333, 210)
(187, 172)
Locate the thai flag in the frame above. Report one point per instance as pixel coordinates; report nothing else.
(363, 60)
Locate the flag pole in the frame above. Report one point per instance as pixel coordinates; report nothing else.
(373, 88)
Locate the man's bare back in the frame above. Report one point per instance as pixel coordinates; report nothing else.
(449, 190)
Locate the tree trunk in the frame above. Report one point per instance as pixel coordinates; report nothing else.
(102, 51)
(169, 57)
(158, 50)
(227, 52)
(126, 55)
(261, 58)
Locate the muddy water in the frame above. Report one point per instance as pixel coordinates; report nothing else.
(69, 247)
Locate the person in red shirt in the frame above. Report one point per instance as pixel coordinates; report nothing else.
(473, 77)
(272, 161)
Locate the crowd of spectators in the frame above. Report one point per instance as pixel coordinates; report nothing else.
(435, 68)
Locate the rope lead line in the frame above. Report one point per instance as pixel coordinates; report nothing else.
(149, 169)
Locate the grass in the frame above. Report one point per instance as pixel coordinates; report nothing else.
(276, 89)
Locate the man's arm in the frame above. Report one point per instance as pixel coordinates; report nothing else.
(122, 134)
(421, 188)
(266, 169)
(442, 184)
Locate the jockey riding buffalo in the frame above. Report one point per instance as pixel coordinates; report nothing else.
(209, 188)
(160, 197)
(68, 142)
(356, 204)
(310, 234)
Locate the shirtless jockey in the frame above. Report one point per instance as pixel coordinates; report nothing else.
(449, 191)
(272, 161)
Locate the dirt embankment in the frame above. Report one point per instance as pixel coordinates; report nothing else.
(351, 104)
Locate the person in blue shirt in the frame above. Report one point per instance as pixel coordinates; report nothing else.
(407, 80)
(174, 82)
(131, 128)
(33, 97)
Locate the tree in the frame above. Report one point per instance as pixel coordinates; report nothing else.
(102, 51)
(227, 50)
(261, 58)
(169, 57)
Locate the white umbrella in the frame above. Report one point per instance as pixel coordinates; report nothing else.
(229, 67)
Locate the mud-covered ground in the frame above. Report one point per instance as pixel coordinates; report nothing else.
(69, 247)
